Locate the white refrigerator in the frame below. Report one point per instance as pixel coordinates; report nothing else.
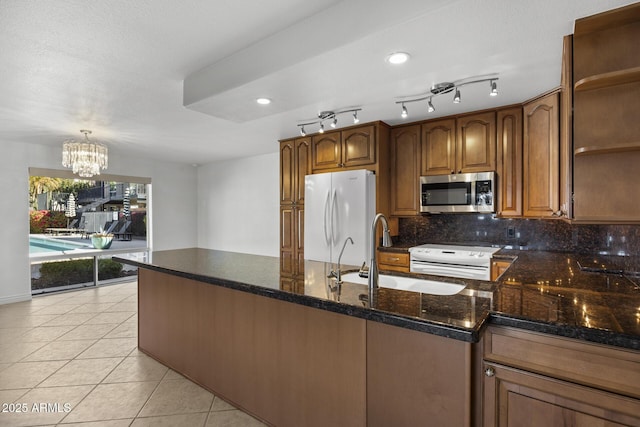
(339, 205)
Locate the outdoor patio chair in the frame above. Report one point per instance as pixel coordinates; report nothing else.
(123, 232)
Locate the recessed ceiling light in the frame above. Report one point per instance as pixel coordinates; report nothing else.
(263, 101)
(398, 58)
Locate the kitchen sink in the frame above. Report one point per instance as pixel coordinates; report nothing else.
(432, 287)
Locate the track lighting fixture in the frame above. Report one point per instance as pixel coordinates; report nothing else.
(430, 107)
(494, 88)
(446, 87)
(329, 115)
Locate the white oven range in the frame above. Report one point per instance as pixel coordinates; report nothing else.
(467, 262)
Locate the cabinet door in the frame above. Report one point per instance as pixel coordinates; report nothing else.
(405, 155)
(326, 151)
(358, 146)
(302, 167)
(288, 240)
(299, 239)
(541, 157)
(509, 162)
(438, 147)
(476, 144)
(287, 172)
(513, 397)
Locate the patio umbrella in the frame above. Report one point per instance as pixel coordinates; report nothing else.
(70, 212)
(126, 202)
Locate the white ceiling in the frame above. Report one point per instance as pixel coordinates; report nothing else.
(118, 67)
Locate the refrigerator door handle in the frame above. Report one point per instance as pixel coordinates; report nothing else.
(334, 220)
(327, 209)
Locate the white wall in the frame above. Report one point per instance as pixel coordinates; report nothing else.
(238, 205)
(173, 206)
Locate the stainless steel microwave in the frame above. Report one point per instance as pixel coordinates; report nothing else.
(462, 192)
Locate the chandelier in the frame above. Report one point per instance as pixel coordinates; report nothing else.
(85, 158)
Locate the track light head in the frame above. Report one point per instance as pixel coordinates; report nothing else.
(334, 123)
(456, 98)
(356, 120)
(321, 130)
(494, 88)
(404, 113)
(302, 132)
(430, 107)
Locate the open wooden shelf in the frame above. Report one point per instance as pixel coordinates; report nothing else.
(598, 149)
(612, 78)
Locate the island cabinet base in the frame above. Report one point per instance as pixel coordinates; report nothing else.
(287, 364)
(417, 379)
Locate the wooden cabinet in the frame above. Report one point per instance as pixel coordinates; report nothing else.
(415, 378)
(405, 167)
(606, 116)
(466, 144)
(393, 261)
(509, 162)
(294, 165)
(497, 268)
(274, 359)
(350, 148)
(476, 143)
(535, 379)
(291, 239)
(541, 183)
(438, 147)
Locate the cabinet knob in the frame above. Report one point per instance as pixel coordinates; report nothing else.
(460, 171)
(452, 172)
(489, 372)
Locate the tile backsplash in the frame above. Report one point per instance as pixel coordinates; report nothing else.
(529, 234)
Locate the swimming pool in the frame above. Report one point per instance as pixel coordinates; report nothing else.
(46, 244)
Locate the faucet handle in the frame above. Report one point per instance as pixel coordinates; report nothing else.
(364, 270)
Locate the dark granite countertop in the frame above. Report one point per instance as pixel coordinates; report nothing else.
(458, 316)
(541, 291)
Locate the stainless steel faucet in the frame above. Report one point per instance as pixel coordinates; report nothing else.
(337, 274)
(373, 265)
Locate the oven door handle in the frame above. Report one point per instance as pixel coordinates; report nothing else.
(465, 272)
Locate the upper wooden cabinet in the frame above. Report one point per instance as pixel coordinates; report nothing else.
(349, 148)
(466, 144)
(438, 147)
(476, 143)
(541, 183)
(606, 116)
(405, 167)
(294, 165)
(509, 161)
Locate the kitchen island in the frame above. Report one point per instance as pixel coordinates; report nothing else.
(316, 354)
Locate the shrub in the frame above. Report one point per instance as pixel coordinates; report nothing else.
(62, 273)
(39, 221)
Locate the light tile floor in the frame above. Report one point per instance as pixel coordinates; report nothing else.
(72, 359)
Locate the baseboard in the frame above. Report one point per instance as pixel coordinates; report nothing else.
(15, 298)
